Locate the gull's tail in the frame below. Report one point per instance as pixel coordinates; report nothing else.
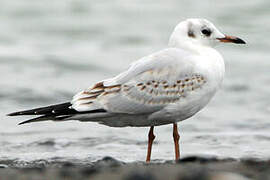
(54, 112)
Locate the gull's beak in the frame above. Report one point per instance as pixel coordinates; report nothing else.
(231, 39)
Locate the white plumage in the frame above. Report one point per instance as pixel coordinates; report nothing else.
(165, 87)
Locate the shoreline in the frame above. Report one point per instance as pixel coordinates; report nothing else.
(193, 167)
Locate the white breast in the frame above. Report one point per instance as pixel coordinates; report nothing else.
(211, 65)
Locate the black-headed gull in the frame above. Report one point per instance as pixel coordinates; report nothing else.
(162, 88)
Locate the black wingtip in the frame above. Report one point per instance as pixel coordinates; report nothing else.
(14, 114)
(37, 119)
(20, 113)
(47, 110)
(24, 122)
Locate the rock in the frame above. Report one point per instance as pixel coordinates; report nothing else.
(3, 166)
(108, 162)
(68, 165)
(198, 159)
(89, 171)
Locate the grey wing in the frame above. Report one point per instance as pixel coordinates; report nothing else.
(154, 83)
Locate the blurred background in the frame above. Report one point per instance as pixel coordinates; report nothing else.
(50, 50)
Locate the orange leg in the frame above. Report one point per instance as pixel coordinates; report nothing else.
(151, 138)
(176, 138)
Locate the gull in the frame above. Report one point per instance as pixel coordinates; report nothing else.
(162, 88)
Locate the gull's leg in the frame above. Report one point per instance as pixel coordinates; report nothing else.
(151, 138)
(176, 141)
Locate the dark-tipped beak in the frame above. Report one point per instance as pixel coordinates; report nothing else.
(231, 39)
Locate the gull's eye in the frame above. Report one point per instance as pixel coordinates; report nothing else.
(206, 32)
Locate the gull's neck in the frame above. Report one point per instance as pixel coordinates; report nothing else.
(214, 57)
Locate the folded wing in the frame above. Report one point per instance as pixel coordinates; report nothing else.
(147, 86)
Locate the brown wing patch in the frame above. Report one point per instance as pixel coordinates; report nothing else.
(98, 85)
(100, 88)
(89, 95)
(88, 98)
(154, 92)
(157, 92)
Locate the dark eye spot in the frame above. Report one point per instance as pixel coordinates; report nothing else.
(206, 32)
(191, 34)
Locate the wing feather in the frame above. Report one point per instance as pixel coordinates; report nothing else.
(147, 86)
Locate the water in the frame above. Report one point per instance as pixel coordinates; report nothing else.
(51, 50)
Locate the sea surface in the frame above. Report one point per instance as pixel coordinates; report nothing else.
(50, 50)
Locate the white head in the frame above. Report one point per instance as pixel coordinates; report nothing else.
(199, 32)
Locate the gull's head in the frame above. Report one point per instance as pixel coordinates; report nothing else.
(199, 32)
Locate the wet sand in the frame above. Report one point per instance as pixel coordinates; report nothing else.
(189, 168)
